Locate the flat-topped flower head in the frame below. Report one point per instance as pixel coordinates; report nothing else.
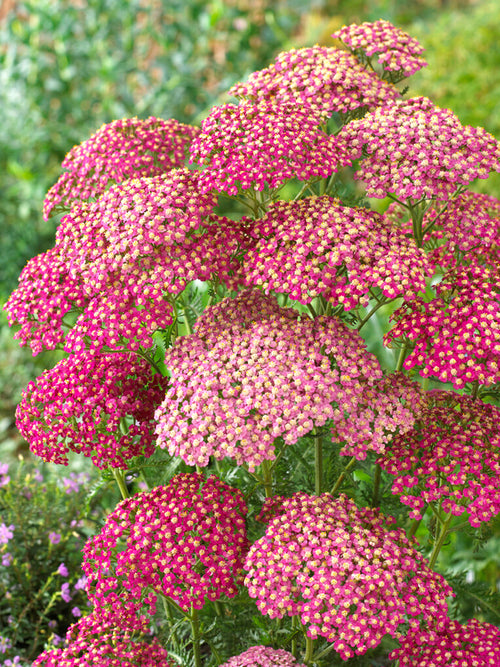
(253, 372)
(412, 149)
(106, 648)
(318, 246)
(83, 404)
(451, 457)
(346, 575)
(398, 52)
(45, 294)
(186, 540)
(457, 334)
(118, 151)
(386, 407)
(262, 145)
(263, 656)
(321, 79)
(450, 644)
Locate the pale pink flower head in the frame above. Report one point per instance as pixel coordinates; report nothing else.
(118, 151)
(263, 656)
(413, 150)
(80, 405)
(451, 456)
(106, 647)
(346, 575)
(321, 79)
(186, 540)
(316, 246)
(450, 644)
(262, 145)
(398, 52)
(456, 336)
(253, 372)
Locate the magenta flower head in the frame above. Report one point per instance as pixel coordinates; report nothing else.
(85, 645)
(45, 294)
(253, 372)
(346, 575)
(186, 541)
(321, 79)
(451, 457)
(262, 145)
(412, 149)
(317, 246)
(118, 151)
(398, 53)
(450, 644)
(263, 656)
(456, 336)
(101, 406)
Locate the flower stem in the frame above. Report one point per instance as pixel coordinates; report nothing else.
(401, 358)
(119, 476)
(440, 540)
(318, 463)
(267, 478)
(376, 486)
(195, 633)
(309, 650)
(342, 475)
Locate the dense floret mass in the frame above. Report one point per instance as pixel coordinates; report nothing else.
(451, 644)
(398, 52)
(263, 656)
(262, 145)
(413, 149)
(322, 79)
(186, 540)
(253, 372)
(118, 151)
(317, 246)
(451, 457)
(343, 572)
(100, 406)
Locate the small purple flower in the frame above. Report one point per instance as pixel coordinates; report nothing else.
(6, 559)
(5, 644)
(12, 663)
(56, 639)
(55, 538)
(65, 594)
(76, 612)
(62, 570)
(4, 478)
(6, 533)
(52, 624)
(81, 583)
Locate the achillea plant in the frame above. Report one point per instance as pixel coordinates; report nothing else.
(211, 288)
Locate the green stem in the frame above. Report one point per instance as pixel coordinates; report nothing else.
(475, 389)
(401, 358)
(381, 303)
(267, 478)
(413, 527)
(295, 624)
(171, 621)
(376, 486)
(309, 650)
(342, 476)
(311, 310)
(440, 540)
(195, 633)
(318, 463)
(119, 476)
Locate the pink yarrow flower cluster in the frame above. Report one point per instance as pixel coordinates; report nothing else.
(318, 246)
(263, 656)
(450, 457)
(451, 644)
(253, 372)
(107, 648)
(343, 572)
(321, 79)
(262, 145)
(413, 149)
(100, 406)
(118, 151)
(457, 334)
(186, 541)
(398, 52)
